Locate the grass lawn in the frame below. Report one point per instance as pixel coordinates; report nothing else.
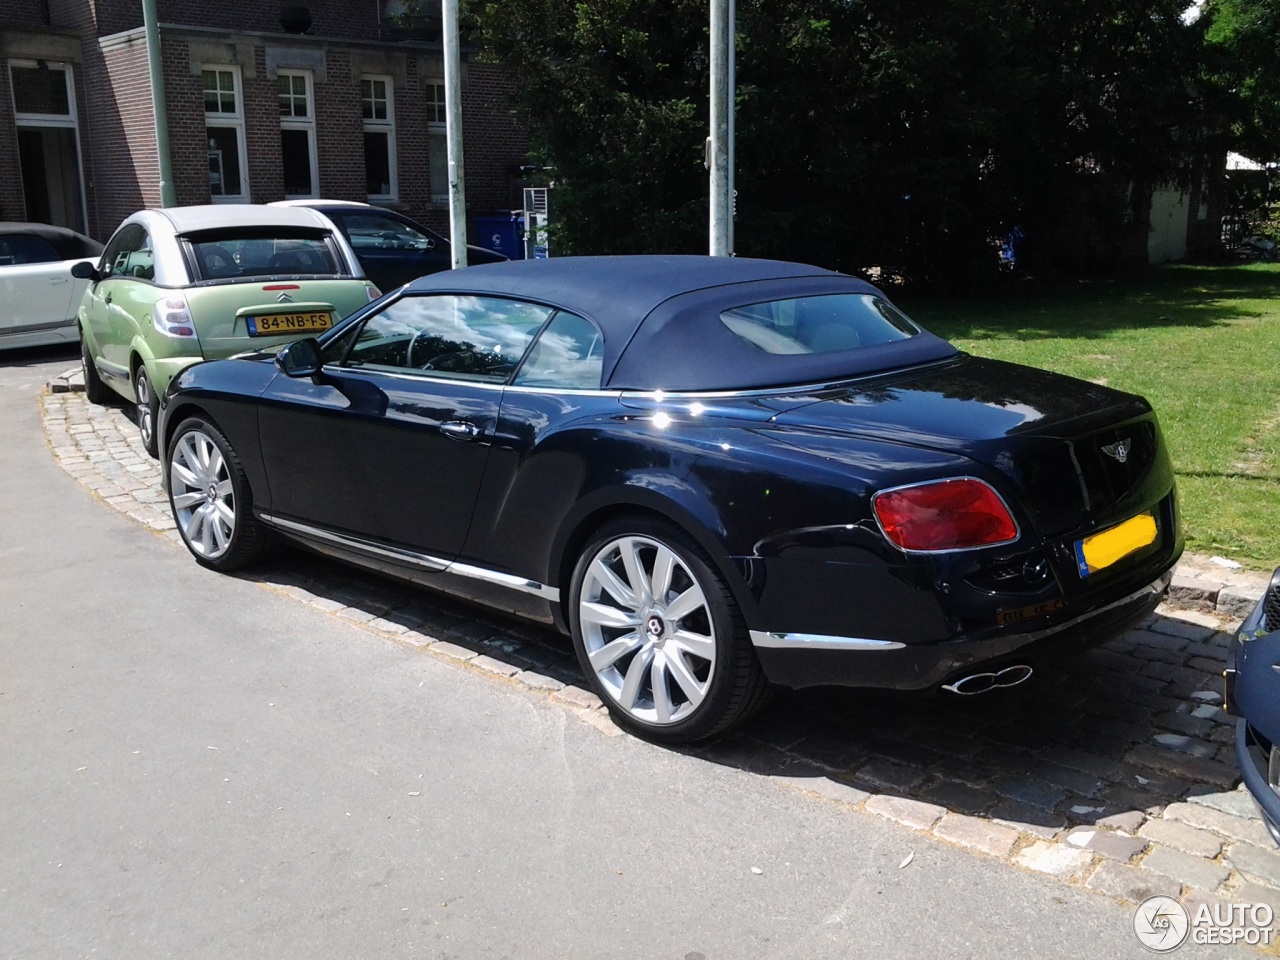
(1201, 343)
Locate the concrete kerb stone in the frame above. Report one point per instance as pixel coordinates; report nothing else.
(1175, 844)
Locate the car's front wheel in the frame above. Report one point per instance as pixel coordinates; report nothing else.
(211, 500)
(659, 635)
(148, 409)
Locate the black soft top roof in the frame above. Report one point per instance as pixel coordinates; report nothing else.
(69, 244)
(660, 316)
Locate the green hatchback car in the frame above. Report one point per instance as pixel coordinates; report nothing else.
(184, 284)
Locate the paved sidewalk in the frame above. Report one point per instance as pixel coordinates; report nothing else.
(1115, 771)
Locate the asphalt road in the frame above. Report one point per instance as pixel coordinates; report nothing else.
(196, 766)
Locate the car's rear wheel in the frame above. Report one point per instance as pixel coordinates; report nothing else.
(148, 409)
(659, 635)
(211, 500)
(95, 391)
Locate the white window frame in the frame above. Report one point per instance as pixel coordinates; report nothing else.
(305, 124)
(68, 122)
(437, 129)
(233, 120)
(385, 125)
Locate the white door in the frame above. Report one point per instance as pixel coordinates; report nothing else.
(1168, 238)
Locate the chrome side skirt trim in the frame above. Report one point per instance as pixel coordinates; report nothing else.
(505, 580)
(813, 641)
(420, 560)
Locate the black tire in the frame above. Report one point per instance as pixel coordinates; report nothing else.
(95, 391)
(202, 497)
(147, 411)
(672, 678)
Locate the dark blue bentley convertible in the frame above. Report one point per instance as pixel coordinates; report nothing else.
(715, 474)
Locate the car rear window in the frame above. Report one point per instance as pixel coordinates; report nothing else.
(821, 324)
(228, 256)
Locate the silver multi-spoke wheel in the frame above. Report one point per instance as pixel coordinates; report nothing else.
(204, 499)
(648, 629)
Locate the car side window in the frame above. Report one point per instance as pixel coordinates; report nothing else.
(370, 231)
(568, 354)
(118, 257)
(444, 335)
(20, 248)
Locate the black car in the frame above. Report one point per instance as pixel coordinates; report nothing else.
(714, 473)
(392, 248)
(1253, 694)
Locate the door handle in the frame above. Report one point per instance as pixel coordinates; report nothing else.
(57, 279)
(459, 430)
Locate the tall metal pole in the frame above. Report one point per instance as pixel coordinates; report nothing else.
(721, 199)
(151, 27)
(731, 108)
(453, 128)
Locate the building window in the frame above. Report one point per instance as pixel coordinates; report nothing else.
(224, 128)
(437, 142)
(298, 135)
(435, 102)
(44, 112)
(378, 108)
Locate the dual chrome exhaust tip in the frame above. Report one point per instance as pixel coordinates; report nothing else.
(976, 683)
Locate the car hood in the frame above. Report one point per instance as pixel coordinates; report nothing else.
(1076, 453)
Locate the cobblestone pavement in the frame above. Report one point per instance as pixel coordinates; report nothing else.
(1115, 771)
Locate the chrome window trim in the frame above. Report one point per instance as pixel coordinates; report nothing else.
(421, 560)
(419, 375)
(772, 640)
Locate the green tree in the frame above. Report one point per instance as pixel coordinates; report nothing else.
(1244, 60)
(910, 133)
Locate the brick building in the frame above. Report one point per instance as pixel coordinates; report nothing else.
(264, 102)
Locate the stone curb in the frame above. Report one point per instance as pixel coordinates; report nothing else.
(68, 382)
(1204, 845)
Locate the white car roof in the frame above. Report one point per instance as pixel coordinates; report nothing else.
(214, 216)
(311, 202)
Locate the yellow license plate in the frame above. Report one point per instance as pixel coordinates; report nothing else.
(277, 324)
(1103, 549)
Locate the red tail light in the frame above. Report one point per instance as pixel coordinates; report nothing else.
(944, 515)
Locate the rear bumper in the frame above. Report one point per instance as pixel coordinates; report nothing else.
(804, 660)
(1253, 753)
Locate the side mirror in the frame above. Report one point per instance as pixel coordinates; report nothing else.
(300, 358)
(84, 270)
(431, 244)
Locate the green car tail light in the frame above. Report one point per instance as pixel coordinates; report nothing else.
(374, 293)
(172, 317)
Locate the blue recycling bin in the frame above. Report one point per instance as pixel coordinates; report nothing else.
(501, 233)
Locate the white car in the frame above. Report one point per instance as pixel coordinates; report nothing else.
(38, 296)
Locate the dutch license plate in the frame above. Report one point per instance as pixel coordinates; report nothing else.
(1103, 549)
(275, 324)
